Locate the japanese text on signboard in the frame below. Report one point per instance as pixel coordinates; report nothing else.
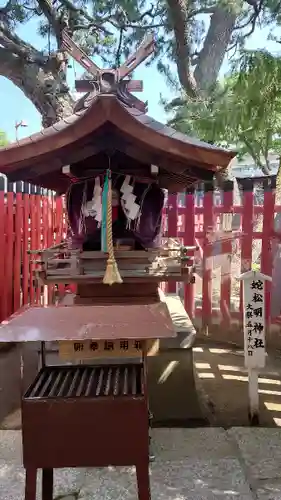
(254, 323)
(102, 348)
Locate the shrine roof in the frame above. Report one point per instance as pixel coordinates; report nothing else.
(78, 136)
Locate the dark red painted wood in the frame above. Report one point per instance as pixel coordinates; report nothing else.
(8, 255)
(33, 243)
(172, 211)
(25, 248)
(247, 233)
(189, 240)
(18, 217)
(226, 250)
(267, 229)
(207, 260)
(2, 248)
(39, 234)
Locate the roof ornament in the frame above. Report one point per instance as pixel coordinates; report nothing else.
(108, 81)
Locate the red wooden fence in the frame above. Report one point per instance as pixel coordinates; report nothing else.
(217, 292)
(31, 219)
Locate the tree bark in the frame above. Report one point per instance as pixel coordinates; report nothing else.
(211, 56)
(178, 15)
(42, 82)
(214, 48)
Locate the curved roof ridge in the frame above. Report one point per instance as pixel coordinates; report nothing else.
(75, 138)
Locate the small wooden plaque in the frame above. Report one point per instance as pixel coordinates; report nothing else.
(91, 349)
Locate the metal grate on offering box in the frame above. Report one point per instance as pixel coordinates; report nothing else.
(87, 382)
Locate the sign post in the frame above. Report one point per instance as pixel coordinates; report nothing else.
(254, 334)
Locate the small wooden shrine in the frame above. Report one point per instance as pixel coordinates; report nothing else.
(112, 161)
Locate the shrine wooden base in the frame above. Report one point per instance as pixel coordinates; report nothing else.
(172, 392)
(11, 384)
(88, 421)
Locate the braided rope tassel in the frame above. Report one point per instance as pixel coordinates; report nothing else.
(112, 274)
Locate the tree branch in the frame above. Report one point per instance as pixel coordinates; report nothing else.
(178, 14)
(119, 49)
(52, 18)
(12, 42)
(79, 11)
(204, 10)
(215, 46)
(9, 63)
(5, 10)
(252, 19)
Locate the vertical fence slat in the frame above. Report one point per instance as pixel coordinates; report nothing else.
(189, 240)
(9, 250)
(58, 219)
(25, 245)
(207, 258)
(247, 231)
(2, 247)
(39, 230)
(18, 216)
(172, 211)
(226, 251)
(267, 231)
(59, 232)
(45, 236)
(51, 236)
(33, 241)
(45, 220)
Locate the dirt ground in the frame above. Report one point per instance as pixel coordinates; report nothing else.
(222, 384)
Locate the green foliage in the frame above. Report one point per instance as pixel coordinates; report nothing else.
(112, 29)
(3, 139)
(244, 111)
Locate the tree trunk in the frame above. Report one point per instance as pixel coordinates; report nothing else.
(178, 15)
(42, 82)
(214, 48)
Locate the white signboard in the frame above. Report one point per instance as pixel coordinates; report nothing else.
(254, 318)
(254, 334)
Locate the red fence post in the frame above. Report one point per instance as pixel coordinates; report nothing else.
(59, 227)
(172, 212)
(269, 185)
(25, 245)
(9, 250)
(247, 230)
(39, 229)
(207, 257)
(51, 206)
(226, 255)
(2, 247)
(189, 240)
(18, 215)
(32, 242)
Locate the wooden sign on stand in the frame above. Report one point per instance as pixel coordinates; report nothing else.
(91, 349)
(254, 334)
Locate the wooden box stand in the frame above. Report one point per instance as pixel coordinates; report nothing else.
(88, 415)
(85, 416)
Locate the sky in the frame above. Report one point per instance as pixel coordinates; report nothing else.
(16, 107)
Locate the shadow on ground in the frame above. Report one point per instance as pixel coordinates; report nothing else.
(223, 382)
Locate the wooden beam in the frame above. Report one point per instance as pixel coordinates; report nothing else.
(74, 51)
(89, 85)
(143, 155)
(145, 49)
(134, 85)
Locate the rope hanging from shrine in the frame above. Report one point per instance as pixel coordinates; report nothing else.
(112, 274)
